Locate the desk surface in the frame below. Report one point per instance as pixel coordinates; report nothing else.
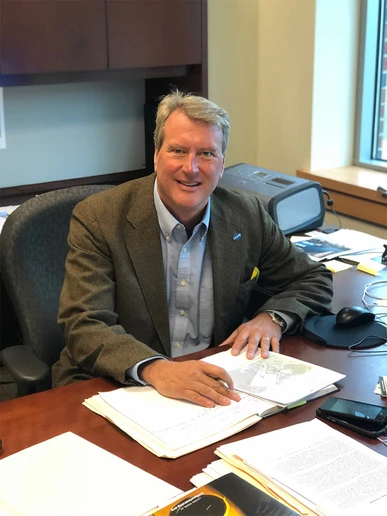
(32, 419)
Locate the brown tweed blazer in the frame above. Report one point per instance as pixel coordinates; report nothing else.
(113, 304)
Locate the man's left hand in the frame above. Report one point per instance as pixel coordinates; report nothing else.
(260, 331)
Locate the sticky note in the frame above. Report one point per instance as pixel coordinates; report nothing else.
(370, 267)
(336, 266)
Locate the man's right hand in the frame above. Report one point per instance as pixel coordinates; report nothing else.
(202, 383)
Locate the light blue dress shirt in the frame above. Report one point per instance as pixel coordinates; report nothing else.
(188, 274)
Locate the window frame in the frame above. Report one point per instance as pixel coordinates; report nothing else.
(368, 95)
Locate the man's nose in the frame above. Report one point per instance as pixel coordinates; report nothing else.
(191, 163)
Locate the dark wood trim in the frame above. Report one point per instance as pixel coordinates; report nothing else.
(111, 75)
(204, 68)
(18, 194)
(354, 191)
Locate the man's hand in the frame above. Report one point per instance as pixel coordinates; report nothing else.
(259, 331)
(196, 381)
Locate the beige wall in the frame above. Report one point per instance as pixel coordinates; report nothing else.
(285, 83)
(286, 72)
(232, 68)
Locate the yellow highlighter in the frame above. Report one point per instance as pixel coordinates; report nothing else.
(255, 273)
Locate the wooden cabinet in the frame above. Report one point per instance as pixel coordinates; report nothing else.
(163, 42)
(46, 36)
(148, 33)
(51, 36)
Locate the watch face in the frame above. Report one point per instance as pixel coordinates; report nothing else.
(278, 320)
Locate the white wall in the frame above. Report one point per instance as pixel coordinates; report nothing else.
(65, 131)
(334, 83)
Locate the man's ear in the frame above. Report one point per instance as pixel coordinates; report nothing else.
(155, 156)
(222, 171)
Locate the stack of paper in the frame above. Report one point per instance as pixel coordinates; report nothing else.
(171, 428)
(320, 246)
(227, 495)
(69, 476)
(218, 468)
(313, 468)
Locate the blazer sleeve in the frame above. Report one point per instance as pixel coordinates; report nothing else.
(289, 280)
(98, 339)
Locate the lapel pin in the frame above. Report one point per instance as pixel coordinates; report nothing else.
(237, 236)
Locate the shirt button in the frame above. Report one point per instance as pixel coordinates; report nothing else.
(167, 238)
(183, 283)
(178, 226)
(178, 344)
(182, 312)
(184, 249)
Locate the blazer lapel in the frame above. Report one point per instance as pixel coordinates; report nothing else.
(226, 250)
(143, 244)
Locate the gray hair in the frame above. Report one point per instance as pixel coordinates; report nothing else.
(195, 108)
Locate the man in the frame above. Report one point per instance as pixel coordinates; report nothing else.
(165, 265)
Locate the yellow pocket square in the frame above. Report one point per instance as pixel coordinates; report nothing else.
(255, 273)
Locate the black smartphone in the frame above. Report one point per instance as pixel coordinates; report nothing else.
(365, 418)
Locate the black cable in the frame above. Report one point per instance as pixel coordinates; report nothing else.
(363, 345)
(330, 204)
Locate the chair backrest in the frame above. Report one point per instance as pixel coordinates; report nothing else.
(33, 253)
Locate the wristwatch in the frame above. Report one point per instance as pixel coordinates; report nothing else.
(277, 319)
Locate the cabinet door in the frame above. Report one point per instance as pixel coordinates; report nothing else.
(41, 36)
(147, 33)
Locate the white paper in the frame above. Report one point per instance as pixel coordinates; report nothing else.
(340, 243)
(150, 441)
(177, 422)
(323, 465)
(279, 379)
(4, 212)
(69, 476)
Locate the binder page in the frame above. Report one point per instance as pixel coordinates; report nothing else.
(150, 442)
(176, 422)
(279, 379)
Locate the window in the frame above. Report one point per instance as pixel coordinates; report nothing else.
(371, 126)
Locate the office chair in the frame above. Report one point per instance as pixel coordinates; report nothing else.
(33, 252)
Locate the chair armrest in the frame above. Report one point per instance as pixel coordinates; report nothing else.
(24, 366)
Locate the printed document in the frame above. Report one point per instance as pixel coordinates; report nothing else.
(170, 427)
(279, 379)
(332, 473)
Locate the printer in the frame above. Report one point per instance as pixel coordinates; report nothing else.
(295, 204)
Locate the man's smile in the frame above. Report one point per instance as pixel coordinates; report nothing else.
(186, 183)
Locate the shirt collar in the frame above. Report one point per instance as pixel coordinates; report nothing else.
(168, 222)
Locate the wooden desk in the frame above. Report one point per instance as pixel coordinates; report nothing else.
(32, 419)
